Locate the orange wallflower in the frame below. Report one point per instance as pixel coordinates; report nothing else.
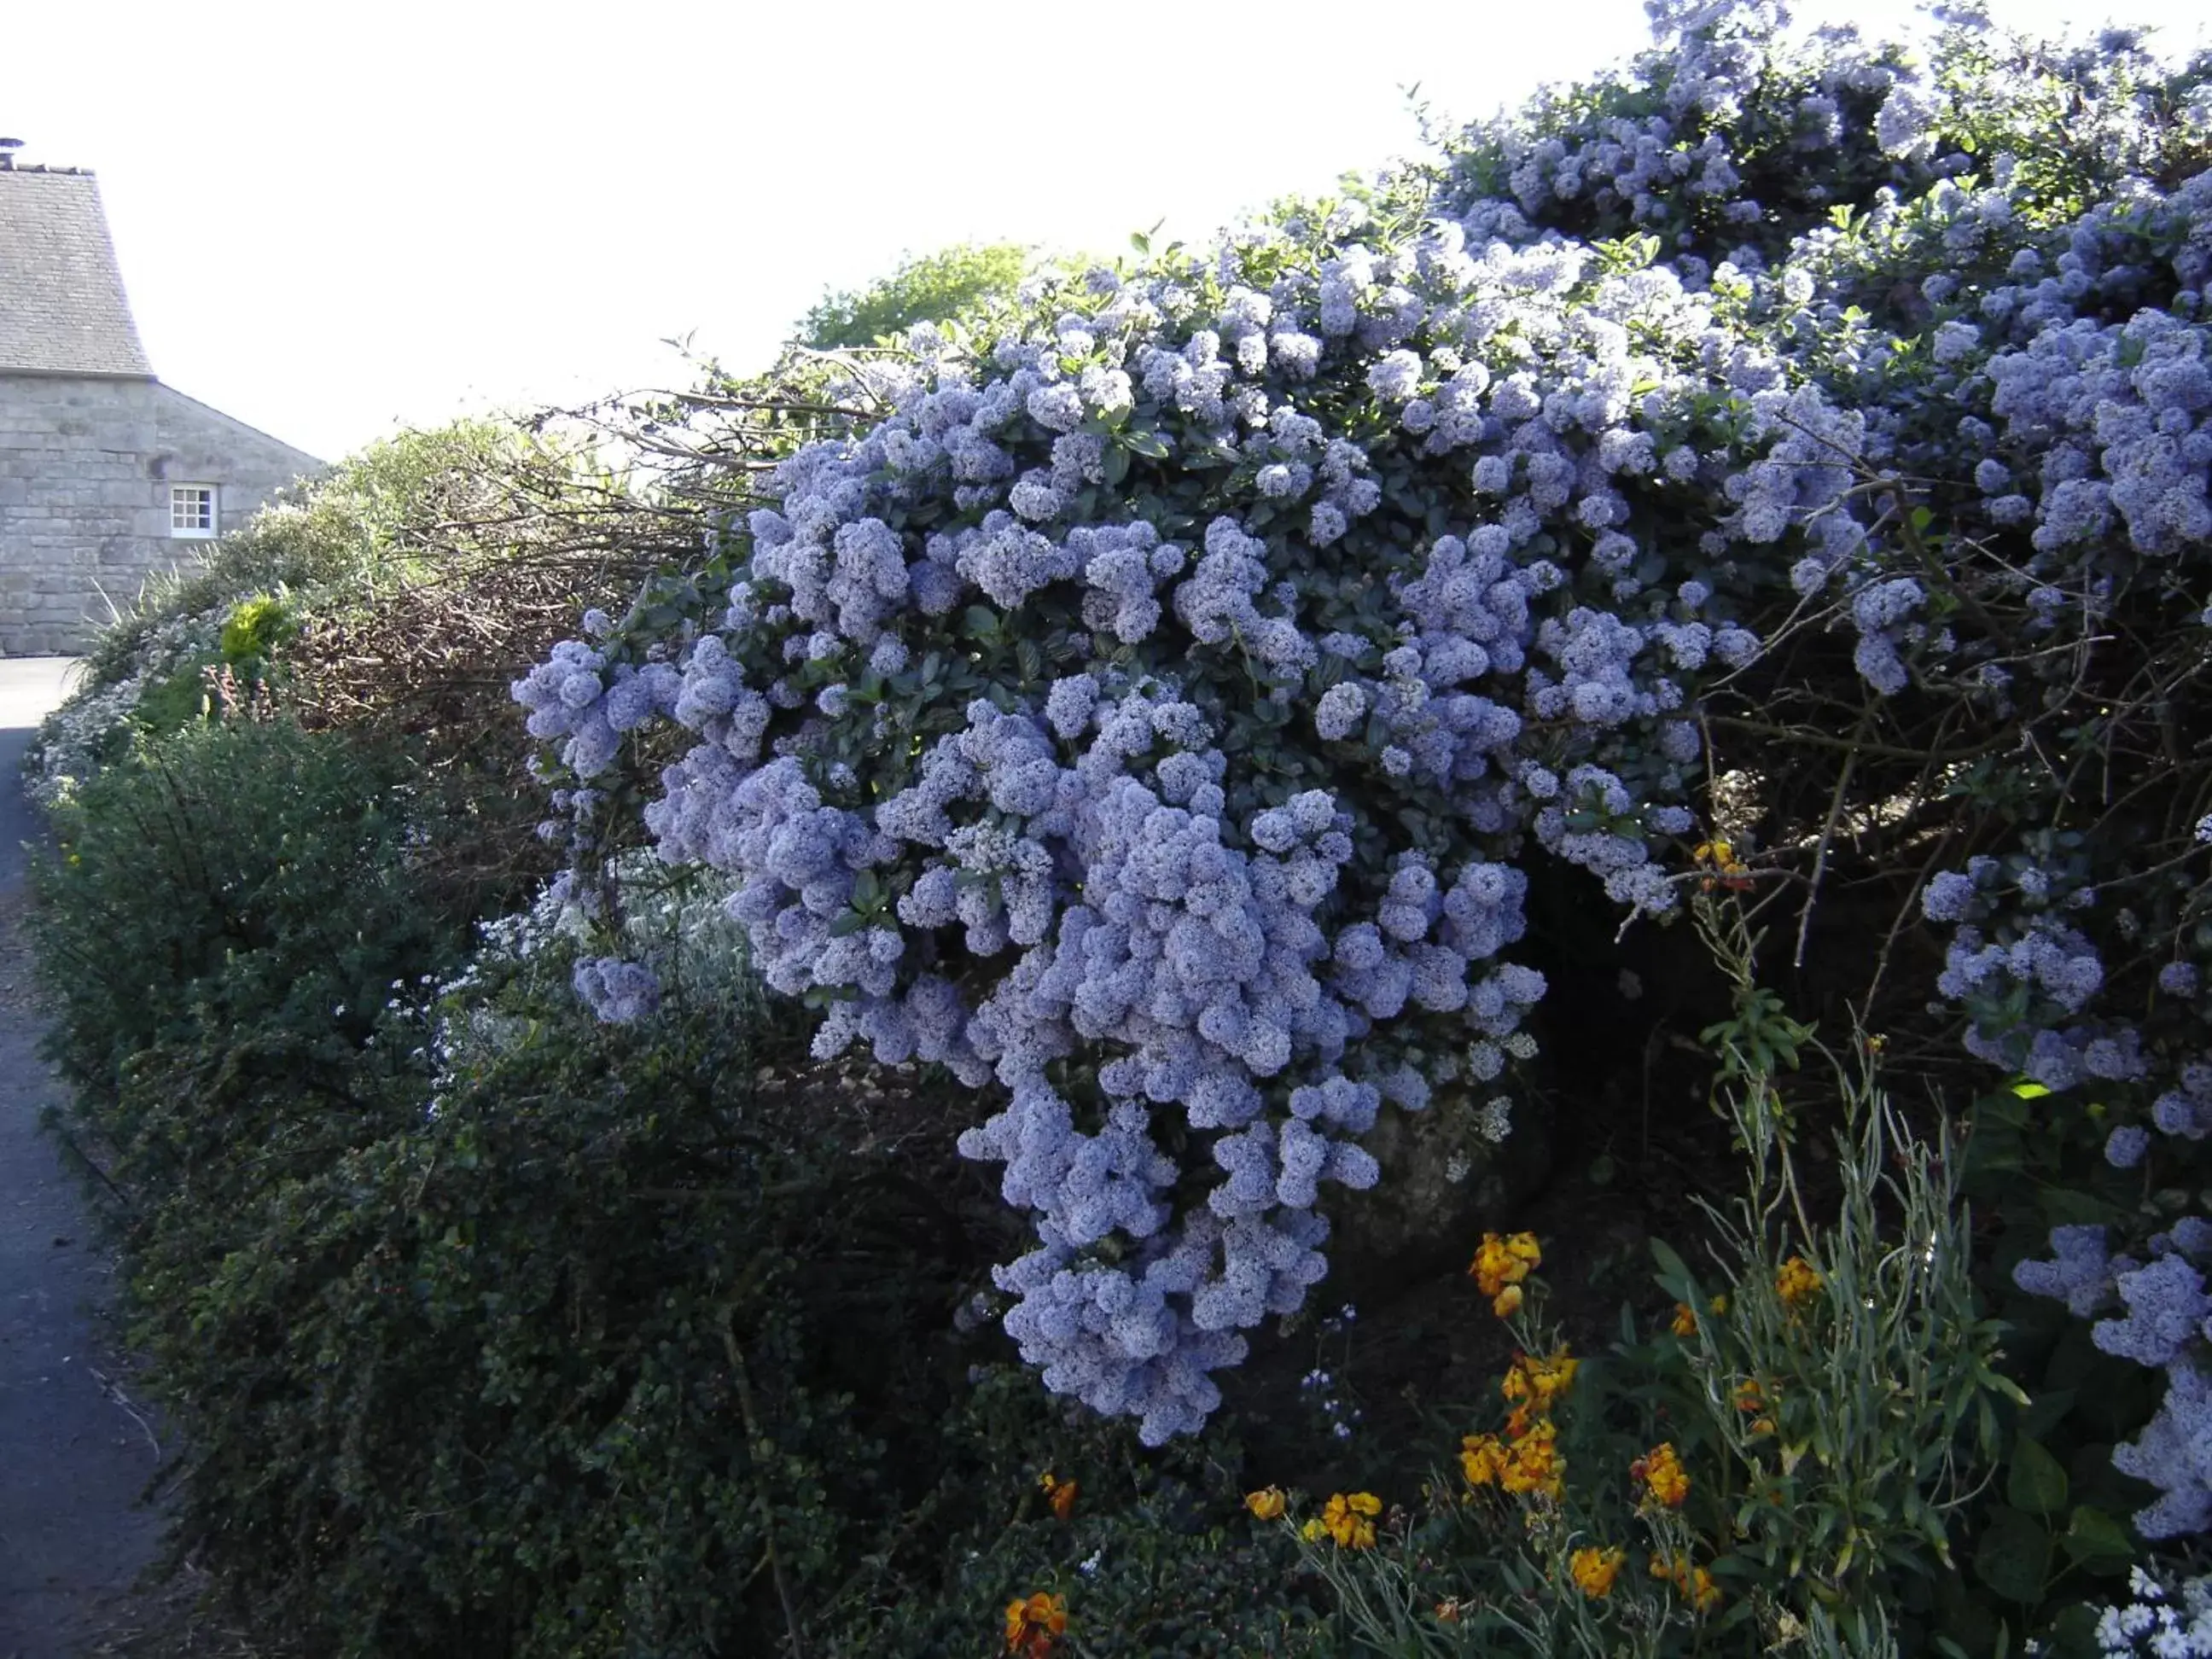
(1593, 1570)
(1033, 1625)
(1447, 1611)
(1061, 1493)
(1499, 1262)
(1796, 1281)
(1685, 1319)
(1507, 1301)
(1350, 1519)
(1662, 1472)
(1533, 1385)
(1533, 1463)
(1482, 1459)
(1751, 1398)
(1695, 1583)
(1718, 856)
(1267, 1503)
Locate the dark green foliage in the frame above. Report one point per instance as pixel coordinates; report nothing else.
(243, 880)
(489, 1330)
(935, 288)
(489, 1358)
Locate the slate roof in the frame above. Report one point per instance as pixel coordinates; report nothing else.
(62, 304)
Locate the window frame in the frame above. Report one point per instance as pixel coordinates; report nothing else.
(210, 502)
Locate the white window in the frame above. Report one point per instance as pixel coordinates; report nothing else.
(191, 510)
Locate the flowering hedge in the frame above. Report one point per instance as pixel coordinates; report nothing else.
(1160, 705)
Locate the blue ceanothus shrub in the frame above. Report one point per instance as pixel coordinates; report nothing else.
(1156, 709)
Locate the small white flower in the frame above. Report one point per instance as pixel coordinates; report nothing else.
(1495, 1121)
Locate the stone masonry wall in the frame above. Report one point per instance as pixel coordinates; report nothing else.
(85, 470)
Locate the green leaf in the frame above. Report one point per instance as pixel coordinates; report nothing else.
(2037, 1483)
(2049, 1409)
(2097, 1543)
(2014, 1558)
(1674, 1275)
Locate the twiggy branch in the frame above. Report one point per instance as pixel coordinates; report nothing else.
(1827, 835)
(753, 1441)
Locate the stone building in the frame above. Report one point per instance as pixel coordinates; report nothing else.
(107, 476)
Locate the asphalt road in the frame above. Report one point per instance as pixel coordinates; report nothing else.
(74, 1451)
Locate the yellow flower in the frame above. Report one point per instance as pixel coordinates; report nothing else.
(1693, 1581)
(1031, 1625)
(1593, 1570)
(1482, 1459)
(1313, 1532)
(1719, 1304)
(1533, 1463)
(1662, 1474)
(1350, 1519)
(1719, 855)
(1061, 1492)
(1540, 1382)
(1704, 1595)
(1685, 1319)
(1534, 1384)
(1501, 1261)
(1267, 1503)
(1796, 1280)
(1507, 1301)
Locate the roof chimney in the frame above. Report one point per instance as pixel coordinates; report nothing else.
(7, 148)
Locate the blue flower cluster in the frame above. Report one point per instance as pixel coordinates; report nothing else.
(2165, 1321)
(1158, 710)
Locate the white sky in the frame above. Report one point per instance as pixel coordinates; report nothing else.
(333, 215)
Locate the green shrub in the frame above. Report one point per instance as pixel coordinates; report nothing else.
(366, 525)
(582, 1353)
(485, 1334)
(401, 590)
(244, 875)
(935, 288)
(257, 625)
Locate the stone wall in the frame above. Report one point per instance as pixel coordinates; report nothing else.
(85, 470)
